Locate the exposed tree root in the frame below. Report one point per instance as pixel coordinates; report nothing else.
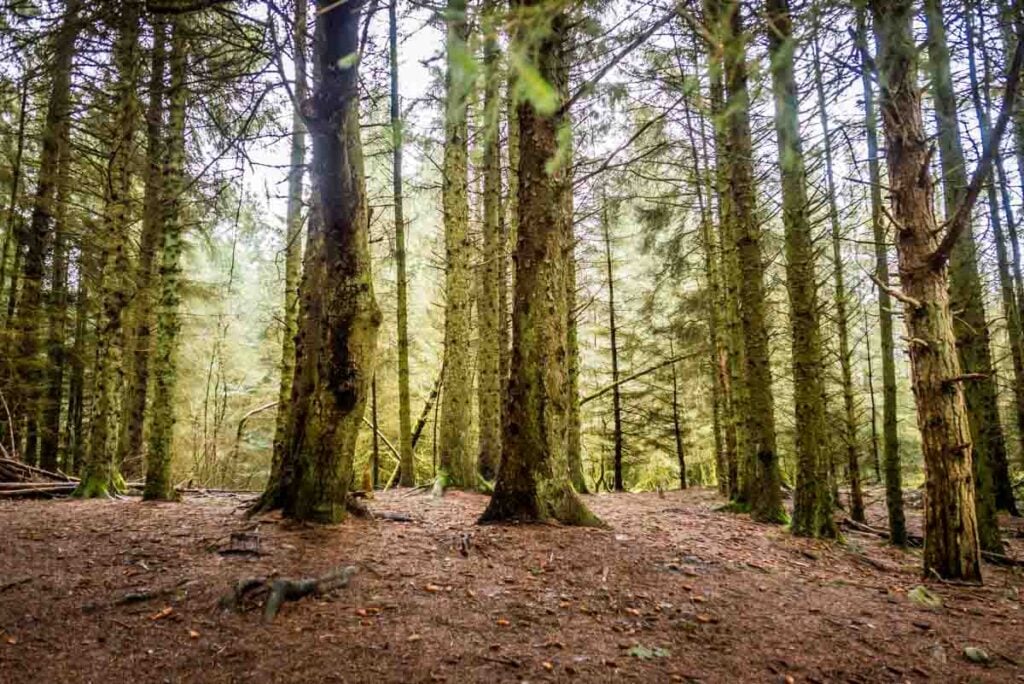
(247, 592)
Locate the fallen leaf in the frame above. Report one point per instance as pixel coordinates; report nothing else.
(548, 665)
(162, 614)
(414, 637)
(432, 588)
(193, 633)
(11, 640)
(502, 622)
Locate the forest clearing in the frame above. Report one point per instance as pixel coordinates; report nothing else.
(674, 591)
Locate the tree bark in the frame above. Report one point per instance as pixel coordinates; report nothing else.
(533, 478)
(292, 240)
(951, 531)
(457, 468)
(812, 499)
(405, 444)
(841, 302)
(488, 312)
(159, 485)
(100, 474)
(890, 436)
(133, 415)
(761, 479)
(965, 295)
(338, 315)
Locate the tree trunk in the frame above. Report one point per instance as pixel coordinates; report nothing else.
(338, 315)
(30, 314)
(161, 435)
(488, 312)
(405, 446)
(99, 474)
(841, 301)
(812, 499)
(456, 465)
(730, 354)
(1003, 488)
(11, 240)
(293, 241)
(951, 531)
(614, 349)
(533, 478)
(761, 487)
(719, 381)
(890, 436)
(129, 446)
(966, 296)
(57, 306)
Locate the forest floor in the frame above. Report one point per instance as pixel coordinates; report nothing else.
(674, 591)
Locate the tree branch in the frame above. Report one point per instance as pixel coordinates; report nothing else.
(959, 221)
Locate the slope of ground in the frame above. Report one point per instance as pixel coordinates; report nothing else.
(674, 591)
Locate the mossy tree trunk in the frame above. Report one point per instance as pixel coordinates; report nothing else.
(951, 532)
(57, 309)
(488, 313)
(849, 432)
(133, 414)
(730, 349)
(812, 499)
(30, 313)
(161, 437)
(100, 473)
(293, 240)
(1011, 310)
(338, 314)
(966, 295)
(11, 239)
(761, 479)
(407, 472)
(457, 467)
(533, 479)
(890, 435)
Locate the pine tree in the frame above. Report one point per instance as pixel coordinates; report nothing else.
(533, 478)
(338, 315)
(812, 502)
(456, 467)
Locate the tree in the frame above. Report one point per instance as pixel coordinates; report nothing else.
(292, 238)
(457, 402)
(812, 500)
(406, 464)
(158, 464)
(533, 478)
(489, 383)
(338, 315)
(965, 294)
(100, 474)
(760, 477)
(951, 528)
(841, 297)
(890, 438)
(133, 417)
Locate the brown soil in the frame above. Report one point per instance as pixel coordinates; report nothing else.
(707, 596)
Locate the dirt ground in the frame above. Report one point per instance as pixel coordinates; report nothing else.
(674, 591)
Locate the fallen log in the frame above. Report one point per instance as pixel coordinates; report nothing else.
(16, 471)
(40, 491)
(914, 540)
(250, 590)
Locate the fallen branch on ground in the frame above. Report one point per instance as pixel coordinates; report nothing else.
(914, 540)
(248, 591)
